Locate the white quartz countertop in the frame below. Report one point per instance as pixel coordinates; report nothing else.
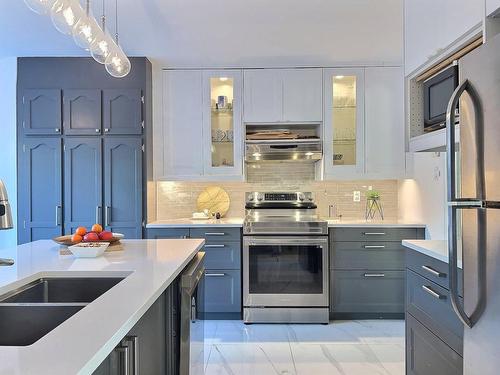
(82, 342)
(238, 222)
(335, 223)
(190, 223)
(437, 249)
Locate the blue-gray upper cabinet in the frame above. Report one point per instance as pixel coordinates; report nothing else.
(41, 111)
(40, 206)
(122, 111)
(82, 182)
(123, 186)
(82, 112)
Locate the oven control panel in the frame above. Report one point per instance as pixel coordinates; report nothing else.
(279, 197)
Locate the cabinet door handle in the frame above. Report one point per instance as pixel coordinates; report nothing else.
(433, 271)
(432, 292)
(215, 234)
(222, 274)
(124, 356)
(134, 340)
(98, 214)
(212, 246)
(58, 215)
(374, 233)
(107, 215)
(374, 275)
(374, 246)
(193, 309)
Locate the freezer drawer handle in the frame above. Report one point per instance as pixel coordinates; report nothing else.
(215, 274)
(433, 271)
(374, 275)
(374, 233)
(374, 246)
(433, 293)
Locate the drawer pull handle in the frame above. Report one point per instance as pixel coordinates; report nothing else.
(374, 275)
(212, 246)
(215, 234)
(374, 246)
(433, 271)
(432, 292)
(215, 274)
(374, 233)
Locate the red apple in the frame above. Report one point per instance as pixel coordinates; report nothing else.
(91, 237)
(106, 236)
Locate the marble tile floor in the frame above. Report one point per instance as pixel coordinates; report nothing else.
(359, 347)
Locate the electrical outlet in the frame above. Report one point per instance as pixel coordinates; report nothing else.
(356, 196)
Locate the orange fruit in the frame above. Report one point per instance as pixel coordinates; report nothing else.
(81, 231)
(96, 228)
(76, 238)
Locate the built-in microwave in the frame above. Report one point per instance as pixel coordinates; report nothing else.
(437, 93)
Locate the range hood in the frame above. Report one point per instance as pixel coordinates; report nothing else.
(304, 150)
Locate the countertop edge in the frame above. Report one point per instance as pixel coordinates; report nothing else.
(437, 249)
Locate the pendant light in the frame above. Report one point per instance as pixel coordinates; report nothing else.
(86, 30)
(101, 47)
(65, 14)
(117, 63)
(40, 6)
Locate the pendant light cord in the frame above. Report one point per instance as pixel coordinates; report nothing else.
(87, 9)
(103, 16)
(116, 22)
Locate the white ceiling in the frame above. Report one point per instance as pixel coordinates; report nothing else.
(211, 33)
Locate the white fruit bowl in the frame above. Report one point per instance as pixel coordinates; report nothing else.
(88, 249)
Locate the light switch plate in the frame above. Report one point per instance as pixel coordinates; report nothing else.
(356, 196)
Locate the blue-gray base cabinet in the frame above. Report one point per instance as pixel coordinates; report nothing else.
(220, 290)
(367, 272)
(156, 338)
(434, 334)
(81, 139)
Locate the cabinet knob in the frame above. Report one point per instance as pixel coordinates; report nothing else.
(106, 130)
(57, 130)
(97, 130)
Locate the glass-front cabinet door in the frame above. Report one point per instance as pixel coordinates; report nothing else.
(343, 122)
(222, 124)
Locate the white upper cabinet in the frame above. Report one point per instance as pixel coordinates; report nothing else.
(182, 124)
(282, 95)
(384, 123)
(302, 95)
(222, 128)
(432, 25)
(492, 7)
(343, 123)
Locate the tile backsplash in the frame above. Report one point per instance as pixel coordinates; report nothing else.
(177, 199)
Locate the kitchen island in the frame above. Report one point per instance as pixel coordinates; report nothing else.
(82, 342)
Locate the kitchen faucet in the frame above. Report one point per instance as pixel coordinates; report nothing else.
(5, 219)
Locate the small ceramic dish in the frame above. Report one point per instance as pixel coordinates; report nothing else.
(88, 249)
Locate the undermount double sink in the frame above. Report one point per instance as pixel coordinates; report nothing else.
(31, 311)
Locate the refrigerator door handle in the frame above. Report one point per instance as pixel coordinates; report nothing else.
(455, 204)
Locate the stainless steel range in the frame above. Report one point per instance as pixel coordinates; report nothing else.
(285, 259)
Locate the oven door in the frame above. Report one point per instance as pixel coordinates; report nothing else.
(285, 271)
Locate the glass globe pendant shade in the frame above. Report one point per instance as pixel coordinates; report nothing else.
(118, 64)
(85, 32)
(40, 6)
(101, 47)
(65, 14)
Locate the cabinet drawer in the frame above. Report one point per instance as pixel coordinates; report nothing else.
(223, 256)
(373, 234)
(367, 291)
(220, 291)
(367, 255)
(430, 304)
(216, 234)
(426, 354)
(431, 268)
(159, 233)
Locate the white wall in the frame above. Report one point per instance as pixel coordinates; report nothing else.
(423, 198)
(8, 77)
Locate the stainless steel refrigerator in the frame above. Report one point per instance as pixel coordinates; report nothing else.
(474, 206)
